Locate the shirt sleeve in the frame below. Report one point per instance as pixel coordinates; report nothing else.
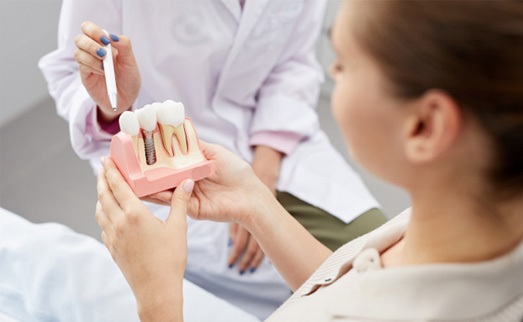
(288, 97)
(60, 70)
(284, 142)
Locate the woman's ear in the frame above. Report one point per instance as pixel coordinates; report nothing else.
(432, 127)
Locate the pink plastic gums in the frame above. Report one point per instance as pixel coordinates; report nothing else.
(129, 156)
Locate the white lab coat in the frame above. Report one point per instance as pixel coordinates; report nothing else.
(237, 73)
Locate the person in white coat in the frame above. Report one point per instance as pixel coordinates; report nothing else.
(247, 75)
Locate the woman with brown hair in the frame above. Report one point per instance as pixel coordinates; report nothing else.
(429, 96)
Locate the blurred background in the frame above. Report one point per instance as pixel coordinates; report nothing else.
(41, 178)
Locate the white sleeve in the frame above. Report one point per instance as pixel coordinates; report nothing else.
(60, 70)
(288, 97)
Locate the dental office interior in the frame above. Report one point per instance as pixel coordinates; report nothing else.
(41, 177)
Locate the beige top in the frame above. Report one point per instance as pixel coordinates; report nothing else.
(352, 286)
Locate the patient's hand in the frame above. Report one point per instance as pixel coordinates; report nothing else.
(152, 254)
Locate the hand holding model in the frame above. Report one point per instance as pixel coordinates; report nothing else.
(90, 54)
(234, 194)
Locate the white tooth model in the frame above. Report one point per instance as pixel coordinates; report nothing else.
(171, 116)
(154, 157)
(147, 120)
(129, 124)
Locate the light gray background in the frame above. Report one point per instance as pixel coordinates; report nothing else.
(40, 176)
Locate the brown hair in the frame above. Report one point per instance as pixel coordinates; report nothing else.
(472, 50)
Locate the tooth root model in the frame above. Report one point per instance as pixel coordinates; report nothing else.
(147, 120)
(138, 153)
(170, 116)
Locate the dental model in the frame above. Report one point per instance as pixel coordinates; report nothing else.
(171, 116)
(129, 124)
(147, 120)
(153, 156)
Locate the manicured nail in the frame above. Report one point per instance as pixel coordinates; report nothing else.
(103, 160)
(114, 37)
(105, 40)
(101, 52)
(230, 242)
(231, 265)
(188, 185)
(252, 270)
(242, 272)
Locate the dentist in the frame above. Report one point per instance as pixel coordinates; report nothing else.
(248, 77)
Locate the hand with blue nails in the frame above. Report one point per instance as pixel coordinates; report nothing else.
(90, 53)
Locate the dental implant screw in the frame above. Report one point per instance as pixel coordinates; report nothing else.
(150, 152)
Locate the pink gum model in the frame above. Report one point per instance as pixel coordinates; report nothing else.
(128, 154)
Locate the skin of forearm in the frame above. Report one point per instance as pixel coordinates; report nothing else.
(161, 303)
(266, 164)
(294, 252)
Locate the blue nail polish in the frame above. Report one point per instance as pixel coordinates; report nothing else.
(101, 52)
(242, 272)
(114, 37)
(229, 243)
(231, 265)
(105, 40)
(252, 270)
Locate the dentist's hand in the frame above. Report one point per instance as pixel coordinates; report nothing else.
(90, 54)
(151, 254)
(245, 249)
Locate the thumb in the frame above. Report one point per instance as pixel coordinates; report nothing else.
(124, 47)
(179, 200)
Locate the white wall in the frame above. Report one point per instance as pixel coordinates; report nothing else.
(28, 30)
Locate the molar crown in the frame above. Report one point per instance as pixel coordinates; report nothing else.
(170, 113)
(147, 118)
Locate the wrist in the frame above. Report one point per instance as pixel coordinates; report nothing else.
(263, 206)
(103, 117)
(161, 304)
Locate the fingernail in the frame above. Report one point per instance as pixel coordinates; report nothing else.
(231, 265)
(252, 270)
(114, 37)
(188, 185)
(230, 242)
(242, 272)
(101, 52)
(103, 160)
(105, 40)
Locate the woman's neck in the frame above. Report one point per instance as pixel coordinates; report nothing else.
(454, 228)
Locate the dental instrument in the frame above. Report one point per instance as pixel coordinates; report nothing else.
(110, 78)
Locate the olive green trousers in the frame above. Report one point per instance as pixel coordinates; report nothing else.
(328, 229)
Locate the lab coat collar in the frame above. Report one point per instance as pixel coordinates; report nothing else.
(251, 9)
(234, 7)
(247, 20)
